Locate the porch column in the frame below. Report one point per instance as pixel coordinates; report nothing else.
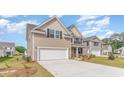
(11, 53)
(76, 51)
(82, 51)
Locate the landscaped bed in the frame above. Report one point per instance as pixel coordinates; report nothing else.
(16, 67)
(118, 62)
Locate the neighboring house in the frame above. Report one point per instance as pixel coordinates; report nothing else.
(7, 49)
(52, 40)
(120, 50)
(106, 49)
(94, 44)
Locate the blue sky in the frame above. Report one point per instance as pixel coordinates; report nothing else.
(12, 27)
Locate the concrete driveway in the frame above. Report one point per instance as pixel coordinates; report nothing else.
(72, 68)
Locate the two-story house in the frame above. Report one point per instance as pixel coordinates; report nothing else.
(49, 40)
(7, 49)
(52, 40)
(95, 45)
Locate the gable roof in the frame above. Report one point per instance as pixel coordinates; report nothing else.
(50, 19)
(6, 44)
(91, 38)
(74, 26)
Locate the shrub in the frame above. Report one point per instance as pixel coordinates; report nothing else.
(93, 56)
(23, 57)
(84, 57)
(111, 57)
(17, 59)
(28, 59)
(7, 65)
(90, 56)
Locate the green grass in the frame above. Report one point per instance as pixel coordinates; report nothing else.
(13, 63)
(118, 54)
(118, 62)
(2, 59)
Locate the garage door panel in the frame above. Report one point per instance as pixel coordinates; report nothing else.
(51, 53)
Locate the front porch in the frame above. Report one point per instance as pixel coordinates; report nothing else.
(79, 51)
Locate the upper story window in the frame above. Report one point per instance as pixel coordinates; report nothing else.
(57, 34)
(54, 34)
(87, 43)
(77, 40)
(96, 43)
(51, 33)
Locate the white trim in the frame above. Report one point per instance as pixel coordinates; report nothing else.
(38, 51)
(38, 54)
(67, 53)
(54, 47)
(50, 20)
(39, 32)
(33, 46)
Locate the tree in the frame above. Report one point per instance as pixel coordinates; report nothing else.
(20, 49)
(116, 40)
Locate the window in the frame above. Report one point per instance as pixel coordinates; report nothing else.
(57, 34)
(51, 33)
(75, 50)
(80, 50)
(54, 34)
(96, 43)
(87, 43)
(77, 40)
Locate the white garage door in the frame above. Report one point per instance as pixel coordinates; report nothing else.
(52, 53)
(97, 53)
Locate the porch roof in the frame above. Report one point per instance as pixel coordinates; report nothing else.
(76, 45)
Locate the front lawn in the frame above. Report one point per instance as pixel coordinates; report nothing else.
(118, 54)
(15, 67)
(2, 59)
(118, 62)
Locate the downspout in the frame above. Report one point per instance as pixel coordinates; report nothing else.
(33, 45)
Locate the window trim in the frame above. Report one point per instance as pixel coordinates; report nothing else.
(96, 43)
(56, 34)
(77, 40)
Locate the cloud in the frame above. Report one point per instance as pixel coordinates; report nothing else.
(94, 25)
(19, 27)
(91, 31)
(56, 15)
(103, 22)
(7, 26)
(107, 34)
(87, 17)
(3, 22)
(89, 23)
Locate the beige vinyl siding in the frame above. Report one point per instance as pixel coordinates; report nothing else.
(42, 40)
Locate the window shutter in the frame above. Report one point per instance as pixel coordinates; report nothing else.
(60, 34)
(47, 32)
